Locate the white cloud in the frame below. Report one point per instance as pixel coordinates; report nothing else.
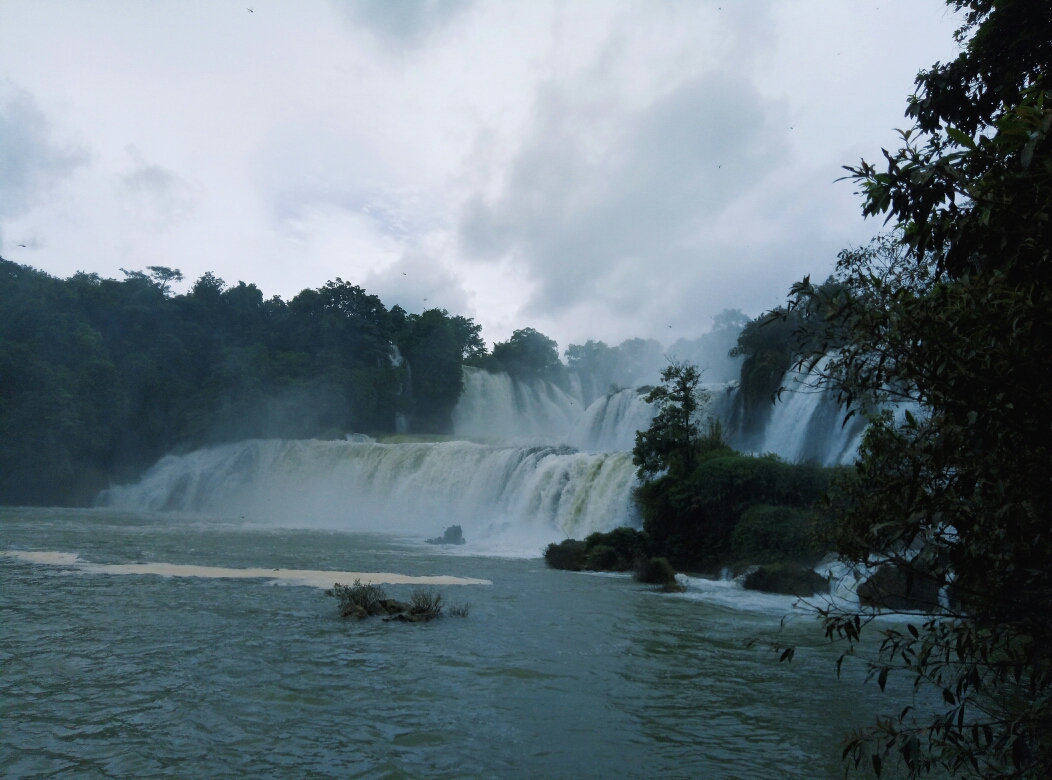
(594, 169)
(32, 163)
(405, 22)
(155, 196)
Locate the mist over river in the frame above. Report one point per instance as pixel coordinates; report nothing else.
(552, 674)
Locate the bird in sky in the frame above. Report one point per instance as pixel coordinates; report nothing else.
(250, 10)
(22, 245)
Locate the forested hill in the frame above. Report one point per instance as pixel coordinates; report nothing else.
(100, 377)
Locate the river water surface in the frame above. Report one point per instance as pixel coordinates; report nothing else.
(111, 672)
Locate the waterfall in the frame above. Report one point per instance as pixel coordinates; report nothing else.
(529, 493)
(533, 464)
(496, 408)
(806, 424)
(609, 424)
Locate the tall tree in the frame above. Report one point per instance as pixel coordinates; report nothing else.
(952, 314)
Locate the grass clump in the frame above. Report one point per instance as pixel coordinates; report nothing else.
(357, 599)
(425, 603)
(459, 610)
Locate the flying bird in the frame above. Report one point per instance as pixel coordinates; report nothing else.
(22, 245)
(250, 10)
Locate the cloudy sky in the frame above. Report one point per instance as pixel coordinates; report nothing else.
(592, 169)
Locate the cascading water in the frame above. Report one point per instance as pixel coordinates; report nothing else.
(527, 494)
(537, 465)
(496, 408)
(807, 424)
(609, 424)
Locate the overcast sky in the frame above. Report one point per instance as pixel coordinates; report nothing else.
(592, 169)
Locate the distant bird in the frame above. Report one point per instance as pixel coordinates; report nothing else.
(22, 245)
(403, 273)
(425, 299)
(790, 127)
(250, 10)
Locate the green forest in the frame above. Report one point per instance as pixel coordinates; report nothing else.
(101, 377)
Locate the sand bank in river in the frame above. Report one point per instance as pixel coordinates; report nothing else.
(310, 577)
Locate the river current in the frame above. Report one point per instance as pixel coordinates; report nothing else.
(181, 629)
(112, 667)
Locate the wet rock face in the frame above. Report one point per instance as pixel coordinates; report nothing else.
(354, 611)
(453, 535)
(900, 589)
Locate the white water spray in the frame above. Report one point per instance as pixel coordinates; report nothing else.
(532, 495)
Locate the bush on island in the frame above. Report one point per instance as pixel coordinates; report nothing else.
(787, 579)
(569, 555)
(616, 550)
(690, 518)
(657, 571)
(777, 534)
(361, 601)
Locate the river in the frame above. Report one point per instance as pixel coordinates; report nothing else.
(111, 667)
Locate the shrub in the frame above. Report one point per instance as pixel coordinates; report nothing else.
(459, 610)
(690, 519)
(657, 571)
(602, 557)
(357, 595)
(772, 534)
(568, 555)
(426, 603)
(615, 550)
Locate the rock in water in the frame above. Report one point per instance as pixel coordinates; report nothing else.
(900, 589)
(453, 535)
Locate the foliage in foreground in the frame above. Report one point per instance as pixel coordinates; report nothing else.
(952, 314)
